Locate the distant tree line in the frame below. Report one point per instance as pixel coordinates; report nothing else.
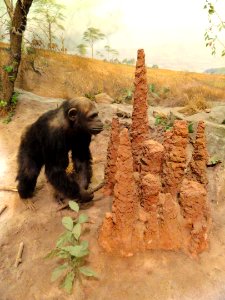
(50, 33)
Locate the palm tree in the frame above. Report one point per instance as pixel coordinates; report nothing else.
(91, 36)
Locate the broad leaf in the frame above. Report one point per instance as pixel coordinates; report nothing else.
(77, 231)
(87, 272)
(77, 251)
(63, 254)
(58, 271)
(64, 238)
(53, 253)
(82, 218)
(67, 223)
(67, 284)
(74, 206)
(84, 245)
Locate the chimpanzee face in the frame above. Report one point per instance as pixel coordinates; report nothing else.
(84, 115)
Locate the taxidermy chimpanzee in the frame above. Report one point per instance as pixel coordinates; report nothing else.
(47, 142)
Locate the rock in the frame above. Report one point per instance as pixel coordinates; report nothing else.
(103, 98)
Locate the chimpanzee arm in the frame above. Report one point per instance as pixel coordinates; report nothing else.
(82, 161)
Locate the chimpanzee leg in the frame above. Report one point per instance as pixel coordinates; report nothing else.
(27, 177)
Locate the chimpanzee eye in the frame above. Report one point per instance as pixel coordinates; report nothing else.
(94, 115)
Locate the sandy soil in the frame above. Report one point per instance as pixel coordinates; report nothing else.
(155, 275)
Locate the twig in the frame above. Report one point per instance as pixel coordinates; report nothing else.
(93, 190)
(19, 255)
(8, 189)
(98, 187)
(3, 208)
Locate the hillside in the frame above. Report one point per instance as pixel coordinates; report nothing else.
(54, 74)
(215, 71)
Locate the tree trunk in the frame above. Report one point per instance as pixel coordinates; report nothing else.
(11, 68)
(50, 35)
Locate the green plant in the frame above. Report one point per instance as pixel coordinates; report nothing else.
(190, 127)
(8, 69)
(167, 124)
(223, 122)
(72, 250)
(8, 119)
(14, 99)
(151, 88)
(3, 103)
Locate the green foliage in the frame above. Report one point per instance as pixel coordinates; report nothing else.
(10, 107)
(8, 69)
(190, 127)
(8, 119)
(213, 161)
(82, 49)
(223, 122)
(3, 103)
(72, 251)
(164, 122)
(151, 88)
(216, 25)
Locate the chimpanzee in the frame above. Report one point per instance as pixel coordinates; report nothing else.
(47, 142)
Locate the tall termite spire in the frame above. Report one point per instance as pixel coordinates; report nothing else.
(140, 126)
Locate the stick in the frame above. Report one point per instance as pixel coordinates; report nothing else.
(98, 187)
(19, 255)
(93, 190)
(8, 189)
(3, 208)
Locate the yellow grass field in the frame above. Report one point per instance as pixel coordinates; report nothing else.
(65, 75)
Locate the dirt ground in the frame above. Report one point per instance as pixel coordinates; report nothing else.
(155, 275)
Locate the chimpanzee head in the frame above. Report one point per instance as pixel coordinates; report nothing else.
(82, 114)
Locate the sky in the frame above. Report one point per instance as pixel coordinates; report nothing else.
(170, 32)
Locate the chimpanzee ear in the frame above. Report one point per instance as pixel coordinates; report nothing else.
(72, 114)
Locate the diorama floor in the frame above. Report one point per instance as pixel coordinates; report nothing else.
(155, 275)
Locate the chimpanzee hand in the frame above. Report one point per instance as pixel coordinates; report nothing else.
(86, 196)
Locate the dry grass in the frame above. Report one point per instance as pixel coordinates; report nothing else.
(68, 75)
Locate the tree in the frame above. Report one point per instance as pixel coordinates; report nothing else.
(99, 53)
(128, 61)
(82, 49)
(216, 25)
(18, 21)
(109, 50)
(51, 16)
(155, 66)
(91, 36)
